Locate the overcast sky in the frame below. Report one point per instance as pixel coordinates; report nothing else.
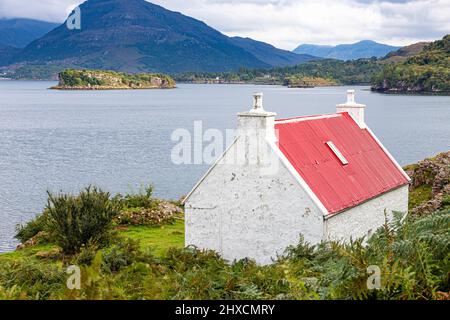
(288, 23)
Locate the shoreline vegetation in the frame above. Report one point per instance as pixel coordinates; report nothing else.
(423, 69)
(425, 72)
(325, 72)
(416, 69)
(309, 82)
(72, 79)
(132, 247)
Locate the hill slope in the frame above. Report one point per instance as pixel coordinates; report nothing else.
(7, 55)
(20, 32)
(358, 50)
(428, 71)
(271, 55)
(137, 36)
(403, 53)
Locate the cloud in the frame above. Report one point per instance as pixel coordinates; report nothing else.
(47, 10)
(288, 23)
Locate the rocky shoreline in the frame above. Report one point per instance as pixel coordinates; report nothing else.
(409, 91)
(98, 88)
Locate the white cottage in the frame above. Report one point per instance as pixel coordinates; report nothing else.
(324, 176)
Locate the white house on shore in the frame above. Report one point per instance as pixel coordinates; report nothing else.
(326, 177)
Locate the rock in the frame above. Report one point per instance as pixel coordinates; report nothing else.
(443, 295)
(40, 237)
(52, 254)
(169, 208)
(164, 213)
(435, 173)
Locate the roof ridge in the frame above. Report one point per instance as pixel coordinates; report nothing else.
(309, 117)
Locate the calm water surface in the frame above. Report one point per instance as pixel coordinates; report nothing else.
(120, 140)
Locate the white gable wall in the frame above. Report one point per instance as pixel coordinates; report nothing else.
(364, 219)
(240, 212)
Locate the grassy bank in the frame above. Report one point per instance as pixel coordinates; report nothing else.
(140, 253)
(157, 239)
(412, 256)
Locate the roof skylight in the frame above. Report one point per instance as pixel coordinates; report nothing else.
(337, 152)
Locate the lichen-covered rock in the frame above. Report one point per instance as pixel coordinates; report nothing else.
(434, 173)
(52, 254)
(40, 237)
(164, 213)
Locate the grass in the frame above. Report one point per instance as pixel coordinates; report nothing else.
(26, 253)
(157, 238)
(419, 195)
(414, 253)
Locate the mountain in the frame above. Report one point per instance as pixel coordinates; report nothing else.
(358, 50)
(403, 53)
(138, 36)
(7, 55)
(271, 55)
(427, 71)
(313, 49)
(19, 33)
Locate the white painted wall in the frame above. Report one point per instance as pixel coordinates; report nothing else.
(243, 210)
(364, 219)
(239, 212)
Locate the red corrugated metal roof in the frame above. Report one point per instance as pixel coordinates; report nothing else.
(369, 172)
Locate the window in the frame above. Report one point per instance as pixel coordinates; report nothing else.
(337, 152)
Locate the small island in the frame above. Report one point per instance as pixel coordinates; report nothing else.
(300, 81)
(72, 79)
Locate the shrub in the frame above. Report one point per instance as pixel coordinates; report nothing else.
(142, 199)
(32, 280)
(77, 221)
(86, 255)
(412, 254)
(31, 228)
(124, 254)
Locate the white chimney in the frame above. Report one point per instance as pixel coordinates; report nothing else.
(256, 138)
(257, 119)
(356, 110)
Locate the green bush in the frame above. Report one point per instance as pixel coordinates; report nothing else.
(123, 254)
(30, 279)
(31, 228)
(130, 204)
(412, 254)
(142, 199)
(77, 221)
(86, 255)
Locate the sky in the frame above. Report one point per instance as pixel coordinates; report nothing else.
(288, 23)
